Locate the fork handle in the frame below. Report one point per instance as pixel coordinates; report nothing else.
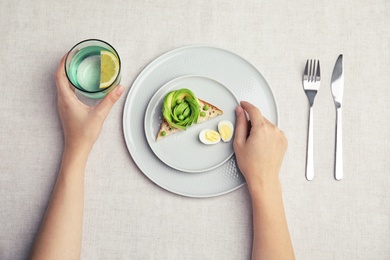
(309, 148)
(338, 164)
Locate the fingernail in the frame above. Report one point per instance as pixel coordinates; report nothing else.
(119, 90)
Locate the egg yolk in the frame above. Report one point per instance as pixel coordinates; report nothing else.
(225, 132)
(212, 136)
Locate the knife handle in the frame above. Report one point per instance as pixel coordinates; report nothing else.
(309, 148)
(338, 164)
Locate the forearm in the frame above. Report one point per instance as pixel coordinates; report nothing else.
(271, 238)
(61, 231)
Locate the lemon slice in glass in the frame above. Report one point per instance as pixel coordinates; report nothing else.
(109, 68)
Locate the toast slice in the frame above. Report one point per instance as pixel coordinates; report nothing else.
(212, 112)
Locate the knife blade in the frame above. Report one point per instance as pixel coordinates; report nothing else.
(337, 88)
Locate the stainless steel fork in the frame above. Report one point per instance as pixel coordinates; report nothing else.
(311, 84)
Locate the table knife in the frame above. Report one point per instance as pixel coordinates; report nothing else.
(337, 88)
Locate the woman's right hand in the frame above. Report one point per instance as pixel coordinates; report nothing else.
(259, 147)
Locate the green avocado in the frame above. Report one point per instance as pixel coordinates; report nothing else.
(181, 108)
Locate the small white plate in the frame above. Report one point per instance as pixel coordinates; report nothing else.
(183, 151)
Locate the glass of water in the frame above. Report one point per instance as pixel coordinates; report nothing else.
(93, 67)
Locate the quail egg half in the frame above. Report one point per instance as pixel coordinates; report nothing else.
(208, 136)
(225, 133)
(226, 130)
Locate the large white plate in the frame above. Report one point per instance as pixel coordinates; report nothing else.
(183, 151)
(244, 80)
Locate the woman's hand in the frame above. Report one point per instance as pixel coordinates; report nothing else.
(81, 124)
(60, 233)
(259, 147)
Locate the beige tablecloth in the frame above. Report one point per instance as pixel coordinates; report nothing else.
(127, 216)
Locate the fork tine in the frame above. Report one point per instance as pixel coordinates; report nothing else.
(318, 74)
(312, 68)
(306, 72)
(312, 72)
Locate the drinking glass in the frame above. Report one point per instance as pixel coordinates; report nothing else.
(93, 67)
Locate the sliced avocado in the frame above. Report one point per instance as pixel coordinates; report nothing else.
(184, 93)
(166, 111)
(168, 98)
(181, 108)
